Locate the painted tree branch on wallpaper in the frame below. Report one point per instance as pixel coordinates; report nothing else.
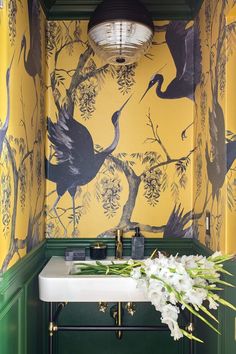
(19, 149)
(22, 168)
(218, 151)
(81, 86)
(155, 180)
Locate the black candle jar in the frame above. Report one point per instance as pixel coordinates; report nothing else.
(98, 250)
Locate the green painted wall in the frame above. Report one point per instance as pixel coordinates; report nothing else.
(106, 342)
(22, 319)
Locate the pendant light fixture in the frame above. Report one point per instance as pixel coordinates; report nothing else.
(120, 31)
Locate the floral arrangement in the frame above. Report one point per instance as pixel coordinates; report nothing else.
(173, 283)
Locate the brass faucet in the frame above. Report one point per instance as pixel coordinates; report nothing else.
(119, 244)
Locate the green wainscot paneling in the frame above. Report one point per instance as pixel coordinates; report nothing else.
(106, 342)
(228, 317)
(22, 319)
(12, 323)
(57, 247)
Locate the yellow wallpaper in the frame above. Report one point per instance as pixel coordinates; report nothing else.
(231, 127)
(146, 180)
(22, 133)
(214, 128)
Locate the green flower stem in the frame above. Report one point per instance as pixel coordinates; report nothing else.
(191, 336)
(199, 316)
(204, 309)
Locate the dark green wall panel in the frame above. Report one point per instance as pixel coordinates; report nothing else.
(107, 343)
(12, 326)
(35, 340)
(23, 317)
(21, 312)
(228, 317)
(159, 9)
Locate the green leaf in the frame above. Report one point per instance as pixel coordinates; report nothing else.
(225, 283)
(191, 336)
(199, 316)
(226, 303)
(204, 309)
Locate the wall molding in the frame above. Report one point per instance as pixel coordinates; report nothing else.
(18, 289)
(10, 279)
(172, 245)
(169, 9)
(21, 311)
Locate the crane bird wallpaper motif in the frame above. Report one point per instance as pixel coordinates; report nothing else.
(77, 163)
(136, 180)
(21, 144)
(184, 45)
(4, 128)
(125, 176)
(33, 58)
(216, 115)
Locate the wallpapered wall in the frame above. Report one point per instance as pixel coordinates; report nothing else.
(215, 126)
(22, 133)
(145, 176)
(231, 146)
(168, 165)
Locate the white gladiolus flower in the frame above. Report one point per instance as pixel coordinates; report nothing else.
(212, 303)
(172, 284)
(195, 296)
(169, 316)
(136, 273)
(216, 254)
(157, 294)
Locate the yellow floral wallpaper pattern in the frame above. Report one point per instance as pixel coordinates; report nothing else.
(144, 177)
(22, 129)
(214, 127)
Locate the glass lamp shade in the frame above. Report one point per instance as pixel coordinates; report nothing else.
(120, 31)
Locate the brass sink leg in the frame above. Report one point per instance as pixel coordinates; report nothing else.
(52, 328)
(53, 317)
(117, 313)
(119, 320)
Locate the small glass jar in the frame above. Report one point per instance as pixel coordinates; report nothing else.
(98, 251)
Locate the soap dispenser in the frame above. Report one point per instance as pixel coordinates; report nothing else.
(137, 250)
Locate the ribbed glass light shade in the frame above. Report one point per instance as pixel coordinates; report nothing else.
(121, 31)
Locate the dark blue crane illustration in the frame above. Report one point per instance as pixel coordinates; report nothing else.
(231, 154)
(77, 162)
(183, 44)
(4, 128)
(224, 154)
(32, 61)
(216, 164)
(176, 224)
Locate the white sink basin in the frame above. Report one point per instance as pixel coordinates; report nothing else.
(56, 284)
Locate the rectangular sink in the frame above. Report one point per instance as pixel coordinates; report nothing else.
(56, 284)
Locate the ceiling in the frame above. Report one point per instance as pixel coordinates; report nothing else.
(82, 9)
